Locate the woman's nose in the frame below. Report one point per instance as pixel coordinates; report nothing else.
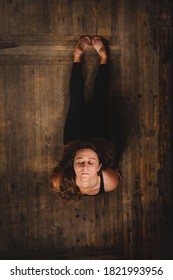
(84, 165)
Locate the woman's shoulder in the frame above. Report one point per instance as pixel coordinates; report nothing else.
(111, 179)
(56, 182)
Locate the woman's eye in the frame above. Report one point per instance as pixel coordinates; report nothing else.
(79, 163)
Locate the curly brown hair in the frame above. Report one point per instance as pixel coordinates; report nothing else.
(65, 172)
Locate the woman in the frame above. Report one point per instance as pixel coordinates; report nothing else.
(87, 163)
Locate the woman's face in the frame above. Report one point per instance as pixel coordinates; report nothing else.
(86, 164)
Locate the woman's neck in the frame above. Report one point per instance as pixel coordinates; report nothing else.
(88, 185)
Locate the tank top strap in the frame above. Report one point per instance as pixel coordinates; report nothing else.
(102, 189)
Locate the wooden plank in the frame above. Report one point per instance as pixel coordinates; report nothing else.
(149, 136)
(60, 17)
(89, 18)
(44, 40)
(30, 152)
(42, 147)
(4, 17)
(103, 14)
(118, 219)
(107, 225)
(78, 11)
(5, 136)
(115, 14)
(55, 102)
(56, 54)
(13, 158)
(89, 217)
(44, 16)
(165, 135)
(16, 17)
(136, 207)
(1, 17)
(31, 19)
(81, 11)
(126, 169)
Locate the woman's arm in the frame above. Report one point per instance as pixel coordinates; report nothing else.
(111, 179)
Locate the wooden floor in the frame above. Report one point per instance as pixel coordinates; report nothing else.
(37, 40)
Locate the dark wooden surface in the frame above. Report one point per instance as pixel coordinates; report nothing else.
(37, 40)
